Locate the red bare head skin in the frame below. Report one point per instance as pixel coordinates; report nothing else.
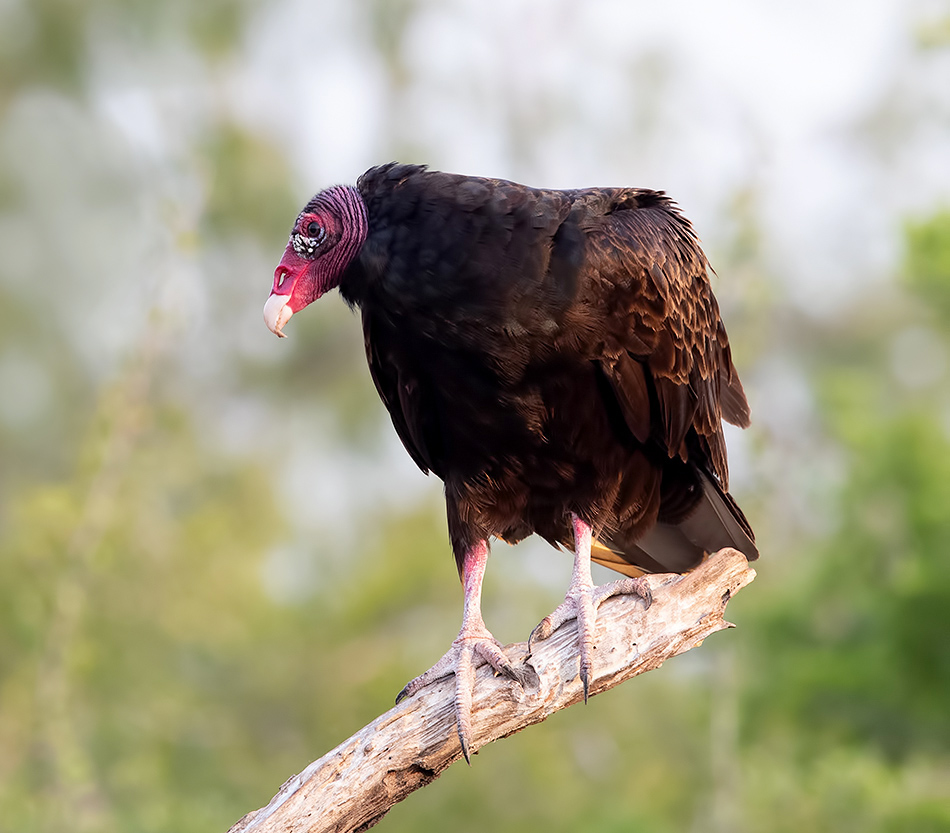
(325, 238)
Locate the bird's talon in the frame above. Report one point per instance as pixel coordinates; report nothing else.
(517, 675)
(541, 632)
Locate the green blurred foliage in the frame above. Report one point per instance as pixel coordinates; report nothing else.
(43, 43)
(171, 649)
(927, 271)
(854, 703)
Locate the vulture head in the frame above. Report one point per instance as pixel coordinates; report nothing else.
(326, 236)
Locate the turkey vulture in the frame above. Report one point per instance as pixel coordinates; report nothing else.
(555, 357)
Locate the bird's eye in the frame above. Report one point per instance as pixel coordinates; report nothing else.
(313, 230)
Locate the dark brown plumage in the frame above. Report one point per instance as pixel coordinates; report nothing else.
(556, 357)
(545, 352)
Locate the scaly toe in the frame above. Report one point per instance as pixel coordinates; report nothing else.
(639, 587)
(581, 603)
(462, 659)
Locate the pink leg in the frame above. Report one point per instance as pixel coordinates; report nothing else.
(582, 600)
(472, 647)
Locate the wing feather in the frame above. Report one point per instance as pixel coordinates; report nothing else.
(400, 393)
(661, 312)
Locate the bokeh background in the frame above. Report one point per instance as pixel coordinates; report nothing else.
(216, 562)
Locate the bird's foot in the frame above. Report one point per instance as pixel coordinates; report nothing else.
(470, 649)
(581, 603)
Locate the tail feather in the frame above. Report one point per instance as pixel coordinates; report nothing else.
(602, 554)
(715, 522)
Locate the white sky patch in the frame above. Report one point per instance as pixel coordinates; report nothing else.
(781, 398)
(315, 87)
(323, 483)
(133, 111)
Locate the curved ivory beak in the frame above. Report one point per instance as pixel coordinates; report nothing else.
(277, 312)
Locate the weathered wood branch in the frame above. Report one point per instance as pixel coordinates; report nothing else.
(353, 786)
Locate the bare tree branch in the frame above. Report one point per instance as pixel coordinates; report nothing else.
(354, 786)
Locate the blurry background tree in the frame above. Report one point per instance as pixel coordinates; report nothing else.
(215, 560)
